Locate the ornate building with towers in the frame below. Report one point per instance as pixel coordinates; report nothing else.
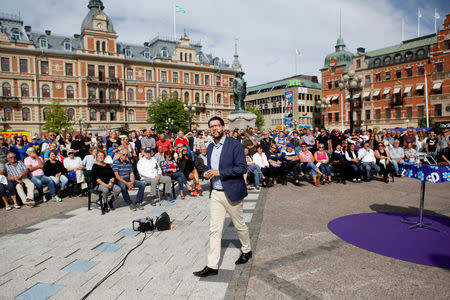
(102, 82)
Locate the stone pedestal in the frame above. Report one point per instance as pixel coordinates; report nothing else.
(241, 120)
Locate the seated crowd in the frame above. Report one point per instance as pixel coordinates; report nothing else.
(118, 162)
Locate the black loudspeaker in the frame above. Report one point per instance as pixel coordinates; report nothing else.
(163, 222)
(144, 224)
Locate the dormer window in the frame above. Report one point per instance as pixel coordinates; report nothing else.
(43, 43)
(127, 52)
(15, 34)
(164, 52)
(147, 53)
(67, 45)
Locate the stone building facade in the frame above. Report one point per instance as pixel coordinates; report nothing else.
(101, 81)
(396, 81)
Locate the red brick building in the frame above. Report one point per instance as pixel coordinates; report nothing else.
(396, 79)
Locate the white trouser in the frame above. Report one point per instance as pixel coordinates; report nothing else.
(219, 206)
(30, 190)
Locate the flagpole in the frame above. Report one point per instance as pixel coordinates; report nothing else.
(426, 99)
(174, 23)
(418, 22)
(403, 29)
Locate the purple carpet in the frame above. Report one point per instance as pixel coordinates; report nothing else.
(383, 233)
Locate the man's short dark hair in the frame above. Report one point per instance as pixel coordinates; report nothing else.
(216, 118)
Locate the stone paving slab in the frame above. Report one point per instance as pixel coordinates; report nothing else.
(160, 268)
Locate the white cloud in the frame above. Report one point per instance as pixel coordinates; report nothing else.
(268, 31)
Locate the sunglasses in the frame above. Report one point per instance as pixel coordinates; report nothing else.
(320, 147)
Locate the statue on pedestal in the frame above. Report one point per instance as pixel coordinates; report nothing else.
(240, 91)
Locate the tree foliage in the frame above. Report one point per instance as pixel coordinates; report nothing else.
(259, 117)
(57, 118)
(168, 112)
(423, 124)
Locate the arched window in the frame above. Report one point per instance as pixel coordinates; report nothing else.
(185, 57)
(190, 57)
(45, 112)
(71, 113)
(93, 115)
(219, 99)
(408, 55)
(98, 46)
(219, 113)
(26, 114)
(377, 62)
(164, 52)
(102, 115)
(149, 95)
(43, 43)
(112, 94)
(69, 92)
(231, 99)
(420, 53)
(186, 96)
(112, 115)
(45, 91)
(164, 93)
(131, 115)
(7, 114)
(181, 56)
(397, 58)
(197, 97)
(67, 45)
(208, 115)
(387, 60)
(91, 93)
(147, 54)
(102, 94)
(24, 90)
(175, 94)
(207, 98)
(128, 52)
(6, 89)
(130, 94)
(103, 46)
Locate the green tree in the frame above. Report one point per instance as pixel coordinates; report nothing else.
(168, 111)
(423, 124)
(259, 117)
(57, 118)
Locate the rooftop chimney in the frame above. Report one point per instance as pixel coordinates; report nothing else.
(48, 32)
(28, 28)
(361, 50)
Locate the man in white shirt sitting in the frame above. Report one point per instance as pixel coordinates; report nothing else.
(368, 162)
(397, 154)
(150, 172)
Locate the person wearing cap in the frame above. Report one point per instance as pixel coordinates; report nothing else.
(36, 166)
(290, 162)
(151, 173)
(74, 167)
(199, 142)
(153, 134)
(35, 145)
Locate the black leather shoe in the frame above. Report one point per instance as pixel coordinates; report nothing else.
(110, 203)
(244, 258)
(206, 272)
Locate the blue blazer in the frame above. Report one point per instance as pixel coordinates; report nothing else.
(232, 167)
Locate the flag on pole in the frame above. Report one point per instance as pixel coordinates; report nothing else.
(436, 14)
(179, 9)
(419, 14)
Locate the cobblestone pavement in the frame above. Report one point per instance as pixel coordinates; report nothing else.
(65, 256)
(297, 257)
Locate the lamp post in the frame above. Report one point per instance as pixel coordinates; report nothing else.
(169, 123)
(79, 122)
(321, 105)
(353, 83)
(188, 108)
(407, 122)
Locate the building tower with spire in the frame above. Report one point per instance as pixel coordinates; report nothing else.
(236, 65)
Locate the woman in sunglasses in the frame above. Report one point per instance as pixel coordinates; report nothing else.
(170, 168)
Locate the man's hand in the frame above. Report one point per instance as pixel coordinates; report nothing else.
(157, 177)
(130, 185)
(211, 173)
(19, 180)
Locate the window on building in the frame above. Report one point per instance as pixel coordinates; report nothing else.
(164, 76)
(336, 117)
(377, 113)
(26, 114)
(149, 95)
(329, 85)
(387, 60)
(128, 52)
(164, 94)
(91, 70)
(219, 99)
(24, 90)
(67, 45)
(43, 43)
(358, 63)
(181, 56)
(92, 93)
(420, 111)
(367, 114)
(148, 75)
(397, 58)
(44, 67)
(421, 70)
(408, 55)
(185, 57)
(447, 45)
(420, 92)
(186, 78)
(196, 79)
(218, 80)
(97, 46)
(102, 115)
(388, 113)
(175, 77)
(7, 114)
(408, 72)
(45, 91)
(131, 115)
(330, 117)
(130, 94)
(439, 67)
(112, 94)
(409, 112)
(367, 78)
(45, 113)
(377, 77)
(147, 54)
(377, 62)
(388, 75)
(129, 74)
(438, 110)
(175, 94)
(206, 79)
(69, 92)
(111, 72)
(103, 47)
(398, 112)
(23, 65)
(336, 84)
(186, 96)
(197, 97)
(398, 74)
(15, 34)
(6, 89)
(112, 115)
(388, 96)
(92, 115)
(164, 52)
(231, 81)
(102, 95)
(69, 69)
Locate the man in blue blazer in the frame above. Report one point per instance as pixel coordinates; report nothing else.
(226, 167)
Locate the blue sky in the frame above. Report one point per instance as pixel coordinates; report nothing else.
(268, 31)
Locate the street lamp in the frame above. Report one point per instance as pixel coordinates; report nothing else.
(407, 122)
(169, 123)
(321, 105)
(353, 83)
(188, 108)
(79, 122)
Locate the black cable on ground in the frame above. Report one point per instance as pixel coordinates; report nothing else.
(116, 268)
